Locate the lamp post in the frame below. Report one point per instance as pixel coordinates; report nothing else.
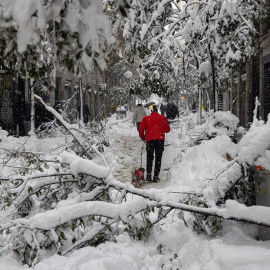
(32, 129)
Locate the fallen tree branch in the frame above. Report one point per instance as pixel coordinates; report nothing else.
(259, 215)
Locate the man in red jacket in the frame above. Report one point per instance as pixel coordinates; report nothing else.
(152, 129)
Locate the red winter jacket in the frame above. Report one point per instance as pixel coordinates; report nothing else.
(154, 127)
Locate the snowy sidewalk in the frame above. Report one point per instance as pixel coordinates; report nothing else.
(126, 150)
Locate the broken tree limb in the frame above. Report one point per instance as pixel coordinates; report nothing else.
(259, 215)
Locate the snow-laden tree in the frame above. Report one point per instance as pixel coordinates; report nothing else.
(144, 34)
(80, 33)
(216, 35)
(121, 75)
(46, 80)
(159, 70)
(36, 34)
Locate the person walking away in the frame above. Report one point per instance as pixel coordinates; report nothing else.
(176, 111)
(169, 111)
(138, 115)
(194, 107)
(172, 111)
(86, 113)
(152, 129)
(162, 109)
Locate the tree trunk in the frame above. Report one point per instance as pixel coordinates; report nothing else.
(215, 95)
(81, 104)
(199, 114)
(32, 129)
(208, 102)
(185, 87)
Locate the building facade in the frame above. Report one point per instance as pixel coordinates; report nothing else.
(13, 109)
(250, 81)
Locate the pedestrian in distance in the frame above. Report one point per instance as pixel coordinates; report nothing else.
(172, 111)
(152, 129)
(162, 109)
(138, 115)
(194, 107)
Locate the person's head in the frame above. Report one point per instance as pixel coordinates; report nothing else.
(139, 105)
(155, 108)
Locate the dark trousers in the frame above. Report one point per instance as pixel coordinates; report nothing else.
(157, 147)
(138, 125)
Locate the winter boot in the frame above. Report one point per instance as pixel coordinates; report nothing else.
(148, 178)
(156, 179)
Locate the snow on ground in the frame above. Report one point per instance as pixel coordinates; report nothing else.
(171, 245)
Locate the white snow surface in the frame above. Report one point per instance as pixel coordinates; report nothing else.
(78, 164)
(254, 144)
(227, 119)
(171, 245)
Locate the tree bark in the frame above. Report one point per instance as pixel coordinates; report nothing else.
(32, 93)
(215, 96)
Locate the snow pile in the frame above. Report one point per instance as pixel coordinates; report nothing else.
(212, 167)
(221, 183)
(264, 160)
(227, 119)
(254, 144)
(222, 122)
(199, 165)
(170, 247)
(123, 126)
